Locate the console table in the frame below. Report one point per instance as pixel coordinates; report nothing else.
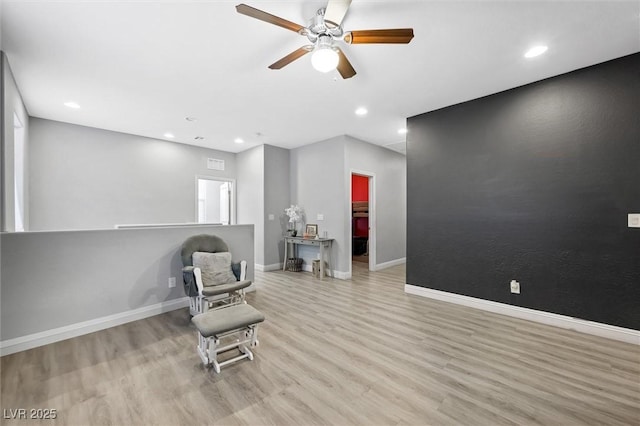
(321, 243)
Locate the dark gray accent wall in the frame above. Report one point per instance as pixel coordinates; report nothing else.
(2, 142)
(533, 184)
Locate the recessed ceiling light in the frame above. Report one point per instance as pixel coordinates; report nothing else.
(169, 135)
(535, 51)
(72, 104)
(403, 131)
(238, 140)
(191, 119)
(199, 138)
(361, 111)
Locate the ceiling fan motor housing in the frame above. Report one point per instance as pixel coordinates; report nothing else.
(324, 41)
(319, 28)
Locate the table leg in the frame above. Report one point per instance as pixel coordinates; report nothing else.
(321, 261)
(284, 264)
(329, 261)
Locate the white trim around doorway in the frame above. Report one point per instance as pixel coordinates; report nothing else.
(372, 219)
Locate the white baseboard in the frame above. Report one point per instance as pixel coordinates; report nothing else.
(34, 340)
(389, 264)
(342, 275)
(267, 268)
(589, 327)
(336, 274)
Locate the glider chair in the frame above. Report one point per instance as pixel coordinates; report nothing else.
(211, 279)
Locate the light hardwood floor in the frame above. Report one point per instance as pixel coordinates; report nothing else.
(335, 352)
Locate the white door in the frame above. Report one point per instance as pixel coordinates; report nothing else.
(225, 203)
(214, 201)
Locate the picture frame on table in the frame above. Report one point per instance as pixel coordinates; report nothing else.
(311, 230)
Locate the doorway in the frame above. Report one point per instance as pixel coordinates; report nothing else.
(215, 201)
(362, 220)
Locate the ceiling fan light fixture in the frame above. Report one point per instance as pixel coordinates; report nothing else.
(324, 59)
(325, 28)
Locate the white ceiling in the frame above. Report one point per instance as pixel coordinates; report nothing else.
(141, 67)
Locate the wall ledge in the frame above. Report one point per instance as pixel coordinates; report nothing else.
(34, 340)
(576, 324)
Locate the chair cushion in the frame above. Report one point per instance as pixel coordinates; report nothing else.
(215, 267)
(212, 323)
(214, 290)
(203, 242)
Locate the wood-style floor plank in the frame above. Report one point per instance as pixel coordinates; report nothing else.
(334, 352)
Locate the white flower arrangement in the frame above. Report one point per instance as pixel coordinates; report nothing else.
(294, 212)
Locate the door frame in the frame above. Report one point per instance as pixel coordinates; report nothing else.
(232, 198)
(372, 218)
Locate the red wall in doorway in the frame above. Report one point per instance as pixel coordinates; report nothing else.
(360, 192)
(359, 188)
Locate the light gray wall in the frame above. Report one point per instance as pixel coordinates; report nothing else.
(12, 103)
(276, 199)
(57, 279)
(263, 189)
(250, 195)
(321, 183)
(88, 178)
(319, 186)
(390, 170)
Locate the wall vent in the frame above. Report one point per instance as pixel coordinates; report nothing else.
(215, 164)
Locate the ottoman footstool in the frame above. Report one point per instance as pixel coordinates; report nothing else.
(238, 322)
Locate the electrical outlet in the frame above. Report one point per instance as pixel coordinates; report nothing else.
(272, 217)
(634, 220)
(515, 287)
(320, 216)
(172, 282)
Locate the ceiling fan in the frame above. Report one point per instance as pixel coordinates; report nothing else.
(323, 32)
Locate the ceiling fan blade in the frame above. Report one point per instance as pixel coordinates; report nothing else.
(344, 66)
(267, 17)
(336, 10)
(397, 35)
(296, 54)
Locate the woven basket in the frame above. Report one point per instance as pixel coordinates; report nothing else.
(294, 264)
